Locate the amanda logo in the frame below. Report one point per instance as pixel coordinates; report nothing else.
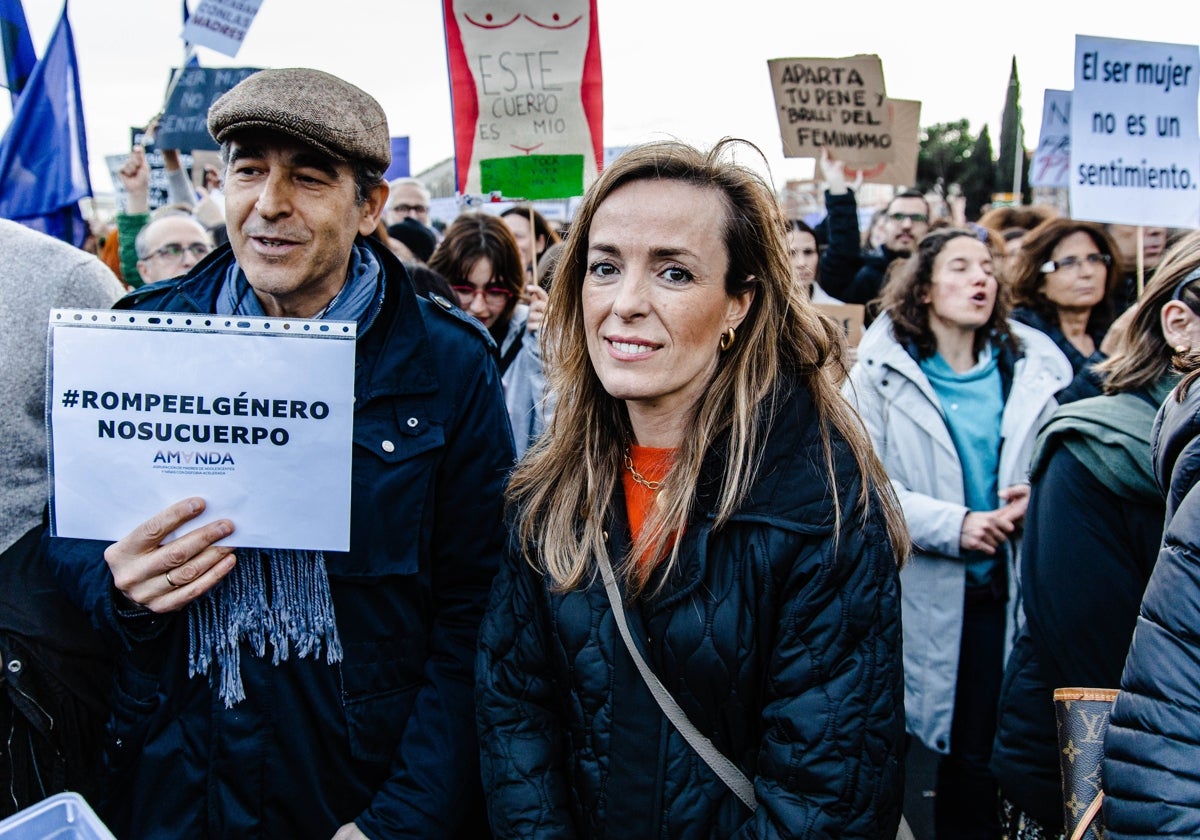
(162, 457)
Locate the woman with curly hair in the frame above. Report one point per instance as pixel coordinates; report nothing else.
(953, 394)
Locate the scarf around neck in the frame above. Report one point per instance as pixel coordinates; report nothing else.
(275, 597)
(1110, 437)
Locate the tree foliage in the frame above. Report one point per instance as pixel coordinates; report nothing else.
(950, 154)
(1010, 139)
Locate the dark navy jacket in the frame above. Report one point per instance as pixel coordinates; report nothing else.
(779, 637)
(1152, 748)
(1087, 554)
(849, 272)
(386, 737)
(1087, 383)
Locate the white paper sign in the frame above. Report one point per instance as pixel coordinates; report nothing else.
(1052, 159)
(1135, 152)
(221, 25)
(254, 415)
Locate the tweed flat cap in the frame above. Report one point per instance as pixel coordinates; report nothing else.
(317, 108)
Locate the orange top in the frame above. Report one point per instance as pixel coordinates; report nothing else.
(652, 464)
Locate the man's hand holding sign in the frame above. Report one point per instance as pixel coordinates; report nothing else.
(164, 575)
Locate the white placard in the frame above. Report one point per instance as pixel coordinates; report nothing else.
(254, 415)
(1052, 159)
(1135, 152)
(221, 25)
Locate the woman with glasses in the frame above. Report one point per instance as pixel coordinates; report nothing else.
(1092, 535)
(1063, 283)
(480, 258)
(952, 394)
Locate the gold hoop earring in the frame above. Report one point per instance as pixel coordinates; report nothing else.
(727, 339)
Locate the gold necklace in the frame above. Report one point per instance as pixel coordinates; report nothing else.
(638, 477)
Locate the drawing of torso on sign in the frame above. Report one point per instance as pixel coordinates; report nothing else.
(532, 66)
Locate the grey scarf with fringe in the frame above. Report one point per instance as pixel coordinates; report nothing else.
(276, 597)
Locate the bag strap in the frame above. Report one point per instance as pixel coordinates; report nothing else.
(505, 361)
(726, 770)
(1088, 816)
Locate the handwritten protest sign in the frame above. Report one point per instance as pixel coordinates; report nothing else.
(221, 24)
(528, 98)
(849, 316)
(839, 103)
(906, 146)
(1135, 152)
(255, 415)
(1052, 159)
(184, 123)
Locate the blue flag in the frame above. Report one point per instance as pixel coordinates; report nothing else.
(43, 154)
(190, 59)
(17, 47)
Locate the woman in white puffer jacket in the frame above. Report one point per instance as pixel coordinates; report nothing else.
(953, 395)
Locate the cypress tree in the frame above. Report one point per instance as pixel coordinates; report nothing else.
(1012, 146)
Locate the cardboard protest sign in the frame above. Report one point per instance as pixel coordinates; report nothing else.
(849, 316)
(839, 103)
(254, 415)
(158, 196)
(1135, 151)
(220, 24)
(528, 99)
(906, 145)
(184, 122)
(1052, 159)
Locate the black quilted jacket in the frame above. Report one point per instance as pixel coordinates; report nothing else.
(1152, 747)
(780, 642)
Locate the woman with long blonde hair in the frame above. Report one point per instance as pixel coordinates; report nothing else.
(706, 513)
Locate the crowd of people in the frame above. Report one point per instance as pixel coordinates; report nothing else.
(639, 545)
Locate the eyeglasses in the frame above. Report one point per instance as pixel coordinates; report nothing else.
(1050, 266)
(492, 295)
(915, 218)
(405, 209)
(175, 251)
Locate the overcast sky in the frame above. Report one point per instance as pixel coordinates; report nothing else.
(672, 68)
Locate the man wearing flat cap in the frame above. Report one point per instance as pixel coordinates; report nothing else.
(303, 694)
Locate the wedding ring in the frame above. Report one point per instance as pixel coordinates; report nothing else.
(167, 575)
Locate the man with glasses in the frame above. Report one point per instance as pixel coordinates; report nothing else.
(170, 246)
(408, 197)
(848, 271)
